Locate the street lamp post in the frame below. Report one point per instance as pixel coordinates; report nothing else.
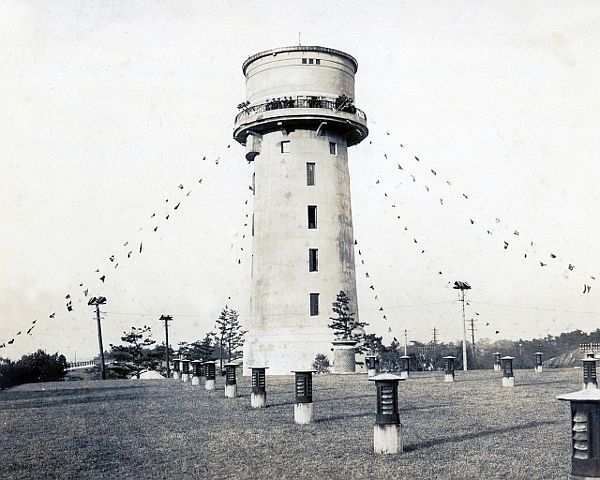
(462, 286)
(97, 301)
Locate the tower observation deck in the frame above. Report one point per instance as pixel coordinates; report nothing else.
(297, 123)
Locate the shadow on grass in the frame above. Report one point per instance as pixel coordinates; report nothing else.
(345, 417)
(280, 404)
(471, 436)
(412, 408)
(324, 400)
(529, 384)
(9, 395)
(53, 403)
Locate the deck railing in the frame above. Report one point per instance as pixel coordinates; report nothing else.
(335, 105)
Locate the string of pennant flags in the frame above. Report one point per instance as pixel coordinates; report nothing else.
(374, 292)
(431, 179)
(246, 230)
(411, 168)
(171, 206)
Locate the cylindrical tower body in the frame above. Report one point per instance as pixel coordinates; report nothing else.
(297, 124)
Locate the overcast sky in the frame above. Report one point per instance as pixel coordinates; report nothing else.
(107, 107)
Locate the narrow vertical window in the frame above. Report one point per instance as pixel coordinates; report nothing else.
(312, 216)
(313, 260)
(310, 174)
(254, 183)
(333, 148)
(314, 304)
(318, 61)
(285, 146)
(310, 61)
(304, 61)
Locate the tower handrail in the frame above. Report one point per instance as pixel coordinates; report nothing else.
(337, 105)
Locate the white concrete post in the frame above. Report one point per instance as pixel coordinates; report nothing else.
(230, 380)
(303, 408)
(258, 397)
(210, 372)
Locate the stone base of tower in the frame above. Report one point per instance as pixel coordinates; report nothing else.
(285, 352)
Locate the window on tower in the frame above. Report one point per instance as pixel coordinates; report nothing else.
(313, 260)
(310, 174)
(314, 304)
(312, 216)
(333, 148)
(285, 146)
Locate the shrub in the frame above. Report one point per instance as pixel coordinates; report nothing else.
(321, 363)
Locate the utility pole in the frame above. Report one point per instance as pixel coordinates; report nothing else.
(405, 342)
(97, 301)
(473, 341)
(462, 286)
(167, 319)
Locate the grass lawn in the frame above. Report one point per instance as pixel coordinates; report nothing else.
(472, 429)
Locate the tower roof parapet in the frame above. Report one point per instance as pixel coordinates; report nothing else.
(299, 48)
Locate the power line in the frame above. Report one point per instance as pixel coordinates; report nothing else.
(533, 308)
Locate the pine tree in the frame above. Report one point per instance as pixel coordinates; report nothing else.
(203, 349)
(137, 353)
(230, 335)
(344, 323)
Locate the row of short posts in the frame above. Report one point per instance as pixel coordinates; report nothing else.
(200, 369)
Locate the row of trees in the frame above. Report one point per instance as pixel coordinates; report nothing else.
(428, 356)
(139, 350)
(34, 367)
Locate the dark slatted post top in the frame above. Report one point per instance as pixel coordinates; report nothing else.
(387, 398)
(507, 366)
(303, 386)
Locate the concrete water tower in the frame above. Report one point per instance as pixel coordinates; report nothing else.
(297, 123)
